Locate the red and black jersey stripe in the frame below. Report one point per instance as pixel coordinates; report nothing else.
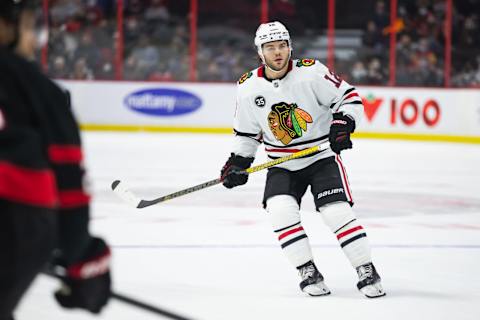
(34, 187)
(66, 162)
(350, 96)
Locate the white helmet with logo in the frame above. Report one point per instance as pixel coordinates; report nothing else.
(268, 32)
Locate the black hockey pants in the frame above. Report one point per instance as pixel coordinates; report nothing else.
(27, 239)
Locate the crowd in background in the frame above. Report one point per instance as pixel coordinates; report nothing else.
(156, 35)
(420, 51)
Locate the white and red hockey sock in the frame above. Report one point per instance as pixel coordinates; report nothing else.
(351, 236)
(285, 217)
(354, 243)
(294, 243)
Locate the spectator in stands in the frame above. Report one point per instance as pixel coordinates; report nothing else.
(404, 49)
(61, 10)
(132, 31)
(93, 15)
(372, 38)
(106, 72)
(469, 37)
(212, 72)
(380, 17)
(375, 75)
(88, 50)
(179, 65)
(157, 11)
(135, 8)
(156, 36)
(131, 71)
(359, 73)
(180, 39)
(81, 70)
(145, 53)
(59, 68)
(160, 73)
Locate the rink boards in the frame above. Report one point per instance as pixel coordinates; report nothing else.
(404, 113)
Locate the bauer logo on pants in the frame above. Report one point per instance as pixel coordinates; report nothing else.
(330, 192)
(163, 102)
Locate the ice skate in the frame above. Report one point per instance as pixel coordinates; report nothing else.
(369, 282)
(312, 280)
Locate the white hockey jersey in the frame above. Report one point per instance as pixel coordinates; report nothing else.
(292, 113)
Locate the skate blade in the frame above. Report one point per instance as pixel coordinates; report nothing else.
(373, 291)
(317, 290)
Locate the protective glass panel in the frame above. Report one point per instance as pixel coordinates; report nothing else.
(306, 21)
(81, 40)
(156, 40)
(420, 47)
(362, 41)
(226, 32)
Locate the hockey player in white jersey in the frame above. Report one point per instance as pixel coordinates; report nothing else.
(291, 105)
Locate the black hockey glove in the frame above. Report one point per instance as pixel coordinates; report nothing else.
(87, 283)
(233, 173)
(340, 129)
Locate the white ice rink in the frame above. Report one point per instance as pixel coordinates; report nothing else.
(212, 254)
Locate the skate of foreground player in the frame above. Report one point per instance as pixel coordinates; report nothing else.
(44, 209)
(291, 105)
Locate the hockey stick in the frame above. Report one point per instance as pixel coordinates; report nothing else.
(144, 306)
(128, 300)
(128, 196)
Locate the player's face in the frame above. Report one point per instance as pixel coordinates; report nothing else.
(276, 54)
(31, 37)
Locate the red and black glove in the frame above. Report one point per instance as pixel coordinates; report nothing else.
(87, 283)
(233, 172)
(340, 129)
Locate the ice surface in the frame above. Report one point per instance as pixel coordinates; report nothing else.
(212, 254)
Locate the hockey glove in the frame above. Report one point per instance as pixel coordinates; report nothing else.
(233, 172)
(340, 129)
(87, 283)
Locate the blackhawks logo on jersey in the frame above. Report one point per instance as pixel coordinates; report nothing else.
(288, 121)
(244, 77)
(305, 62)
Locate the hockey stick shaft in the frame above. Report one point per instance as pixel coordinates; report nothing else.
(147, 203)
(128, 196)
(295, 155)
(147, 307)
(130, 301)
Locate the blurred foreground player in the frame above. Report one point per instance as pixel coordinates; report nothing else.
(291, 105)
(44, 210)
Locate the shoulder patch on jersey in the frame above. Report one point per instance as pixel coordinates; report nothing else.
(244, 77)
(305, 62)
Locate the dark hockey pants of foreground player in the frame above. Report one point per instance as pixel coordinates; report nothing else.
(27, 239)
